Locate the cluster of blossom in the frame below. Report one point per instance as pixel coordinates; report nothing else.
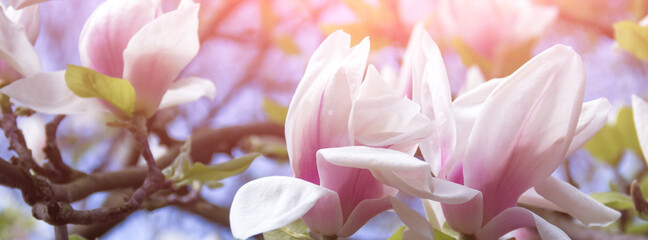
(352, 138)
(131, 40)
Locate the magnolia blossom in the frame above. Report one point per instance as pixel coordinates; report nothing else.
(19, 30)
(132, 40)
(492, 29)
(19, 4)
(505, 137)
(350, 140)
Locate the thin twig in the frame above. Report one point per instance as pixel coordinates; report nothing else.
(65, 172)
(61, 232)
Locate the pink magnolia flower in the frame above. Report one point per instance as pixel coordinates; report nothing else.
(499, 31)
(19, 30)
(350, 143)
(132, 40)
(505, 137)
(640, 116)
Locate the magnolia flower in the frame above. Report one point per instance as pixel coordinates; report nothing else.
(505, 138)
(19, 29)
(19, 4)
(350, 144)
(131, 40)
(498, 35)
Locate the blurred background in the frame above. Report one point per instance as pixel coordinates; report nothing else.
(256, 51)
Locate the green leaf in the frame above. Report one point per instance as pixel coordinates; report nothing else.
(275, 112)
(76, 237)
(398, 235)
(611, 142)
(296, 230)
(632, 37)
(269, 146)
(183, 172)
(87, 83)
(614, 200)
(439, 235)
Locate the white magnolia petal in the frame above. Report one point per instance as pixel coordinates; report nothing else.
(188, 90)
(28, 17)
(517, 217)
(594, 115)
(640, 116)
(16, 49)
(159, 51)
(399, 170)
(474, 78)
(18, 4)
(434, 213)
(532, 198)
(272, 202)
(418, 226)
(576, 203)
(47, 92)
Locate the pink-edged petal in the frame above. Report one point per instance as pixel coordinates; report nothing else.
(302, 118)
(593, 117)
(517, 217)
(269, 203)
(15, 48)
(18, 4)
(466, 217)
(108, 30)
(417, 226)
(403, 84)
(640, 116)
(157, 53)
(28, 17)
(400, 170)
(382, 118)
(188, 90)
(362, 213)
(576, 203)
(431, 89)
(525, 128)
(47, 92)
(318, 115)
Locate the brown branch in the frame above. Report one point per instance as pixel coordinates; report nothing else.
(61, 232)
(207, 142)
(64, 172)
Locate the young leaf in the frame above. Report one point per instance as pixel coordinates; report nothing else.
(76, 237)
(296, 230)
(199, 174)
(611, 142)
(87, 83)
(632, 37)
(398, 235)
(439, 235)
(614, 200)
(275, 112)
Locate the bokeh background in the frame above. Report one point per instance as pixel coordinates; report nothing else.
(256, 51)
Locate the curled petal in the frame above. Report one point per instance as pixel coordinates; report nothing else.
(517, 217)
(158, 52)
(29, 18)
(269, 203)
(47, 92)
(188, 90)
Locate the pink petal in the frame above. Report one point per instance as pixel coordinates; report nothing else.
(466, 217)
(157, 53)
(362, 213)
(431, 90)
(15, 48)
(47, 92)
(525, 128)
(18, 4)
(318, 115)
(188, 90)
(403, 84)
(107, 31)
(640, 116)
(272, 202)
(517, 217)
(593, 117)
